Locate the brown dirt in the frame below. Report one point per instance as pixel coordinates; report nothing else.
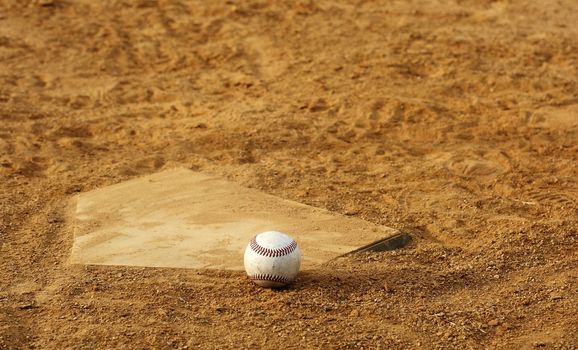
(456, 121)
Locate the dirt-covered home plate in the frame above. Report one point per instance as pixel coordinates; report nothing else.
(181, 218)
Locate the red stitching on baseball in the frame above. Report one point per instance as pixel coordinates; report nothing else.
(271, 278)
(272, 253)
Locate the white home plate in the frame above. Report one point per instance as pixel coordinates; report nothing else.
(181, 218)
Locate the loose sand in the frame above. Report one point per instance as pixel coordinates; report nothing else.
(455, 121)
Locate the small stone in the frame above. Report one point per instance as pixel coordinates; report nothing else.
(351, 211)
(493, 322)
(354, 313)
(318, 106)
(387, 288)
(46, 3)
(539, 344)
(556, 296)
(27, 306)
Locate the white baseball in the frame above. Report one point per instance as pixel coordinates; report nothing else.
(272, 259)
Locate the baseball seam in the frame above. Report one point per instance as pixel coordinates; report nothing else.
(272, 253)
(271, 278)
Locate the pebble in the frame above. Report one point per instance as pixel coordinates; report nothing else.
(493, 322)
(351, 211)
(46, 2)
(354, 313)
(27, 306)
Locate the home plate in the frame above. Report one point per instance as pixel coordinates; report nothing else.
(181, 218)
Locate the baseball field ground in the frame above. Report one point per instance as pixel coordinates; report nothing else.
(454, 121)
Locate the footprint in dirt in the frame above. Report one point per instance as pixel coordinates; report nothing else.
(468, 163)
(32, 167)
(561, 117)
(568, 199)
(472, 167)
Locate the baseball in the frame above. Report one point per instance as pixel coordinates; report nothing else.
(272, 259)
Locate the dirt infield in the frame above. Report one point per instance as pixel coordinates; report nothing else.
(454, 121)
